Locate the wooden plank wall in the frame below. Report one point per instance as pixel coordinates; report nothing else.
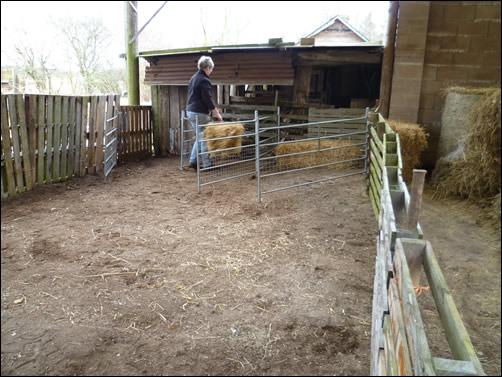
(319, 115)
(399, 343)
(48, 138)
(169, 101)
(135, 133)
(167, 104)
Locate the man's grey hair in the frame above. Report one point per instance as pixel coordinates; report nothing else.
(204, 62)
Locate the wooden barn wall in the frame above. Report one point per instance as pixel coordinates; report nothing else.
(336, 33)
(168, 102)
(273, 68)
(169, 76)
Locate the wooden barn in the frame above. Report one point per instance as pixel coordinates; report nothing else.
(430, 46)
(336, 32)
(294, 77)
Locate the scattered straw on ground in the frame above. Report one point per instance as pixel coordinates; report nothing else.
(413, 140)
(316, 157)
(476, 172)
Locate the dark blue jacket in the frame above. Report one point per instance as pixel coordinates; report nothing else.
(200, 94)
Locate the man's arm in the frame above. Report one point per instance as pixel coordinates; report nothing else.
(216, 112)
(207, 97)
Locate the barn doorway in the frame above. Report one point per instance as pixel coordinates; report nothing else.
(345, 86)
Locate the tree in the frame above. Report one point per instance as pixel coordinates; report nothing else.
(34, 64)
(88, 39)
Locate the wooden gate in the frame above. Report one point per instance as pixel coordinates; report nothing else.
(135, 140)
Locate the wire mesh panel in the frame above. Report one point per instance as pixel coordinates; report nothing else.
(187, 140)
(283, 163)
(280, 156)
(230, 150)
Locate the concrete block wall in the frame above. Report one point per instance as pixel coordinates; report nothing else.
(441, 44)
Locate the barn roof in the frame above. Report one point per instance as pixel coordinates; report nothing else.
(271, 63)
(343, 21)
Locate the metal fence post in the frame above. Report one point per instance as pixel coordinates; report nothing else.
(182, 128)
(257, 150)
(278, 123)
(197, 149)
(366, 145)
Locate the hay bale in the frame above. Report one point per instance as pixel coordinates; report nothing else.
(413, 140)
(223, 130)
(474, 172)
(315, 158)
(497, 207)
(455, 118)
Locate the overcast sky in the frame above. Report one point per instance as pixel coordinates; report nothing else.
(178, 24)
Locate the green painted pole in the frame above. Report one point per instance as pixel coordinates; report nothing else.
(132, 63)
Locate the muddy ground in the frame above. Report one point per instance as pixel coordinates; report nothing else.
(143, 276)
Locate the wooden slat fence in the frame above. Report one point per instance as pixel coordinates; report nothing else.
(349, 126)
(398, 340)
(135, 139)
(48, 138)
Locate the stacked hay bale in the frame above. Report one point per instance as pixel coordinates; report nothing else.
(413, 140)
(316, 157)
(474, 170)
(223, 130)
(455, 122)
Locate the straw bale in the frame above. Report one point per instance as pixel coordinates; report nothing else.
(455, 123)
(223, 130)
(315, 158)
(413, 140)
(474, 171)
(497, 207)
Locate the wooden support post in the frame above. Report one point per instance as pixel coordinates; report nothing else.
(380, 129)
(373, 117)
(301, 87)
(131, 28)
(417, 189)
(388, 60)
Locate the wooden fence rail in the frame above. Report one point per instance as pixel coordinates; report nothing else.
(47, 139)
(398, 340)
(135, 133)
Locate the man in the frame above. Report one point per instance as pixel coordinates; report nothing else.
(200, 105)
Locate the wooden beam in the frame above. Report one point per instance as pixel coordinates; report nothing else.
(388, 60)
(131, 28)
(415, 331)
(417, 189)
(414, 250)
(445, 367)
(301, 87)
(402, 353)
(456, 334)
(338, 57)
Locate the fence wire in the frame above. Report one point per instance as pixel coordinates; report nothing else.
(279, 155)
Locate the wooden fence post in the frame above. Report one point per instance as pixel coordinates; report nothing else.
(417, 190)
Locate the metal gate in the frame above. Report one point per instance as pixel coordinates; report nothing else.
(329, 150)
(278, 155)
(110, 158)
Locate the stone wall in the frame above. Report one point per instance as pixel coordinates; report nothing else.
(440, 44)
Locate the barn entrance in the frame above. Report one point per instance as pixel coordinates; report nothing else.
(334, 143)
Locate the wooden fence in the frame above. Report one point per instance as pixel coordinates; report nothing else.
(398, 341)
(135, 140)
(48, 139)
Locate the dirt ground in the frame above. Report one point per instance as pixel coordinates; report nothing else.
(143, 276)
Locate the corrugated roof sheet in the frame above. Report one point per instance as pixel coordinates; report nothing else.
(240, 64)
(250, 67)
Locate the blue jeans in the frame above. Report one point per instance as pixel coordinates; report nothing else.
(203, 119)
